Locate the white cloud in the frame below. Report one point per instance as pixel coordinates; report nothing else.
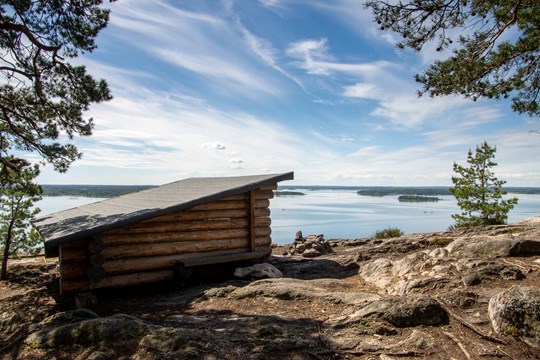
(363, 91)
(208, 45)
(215, 146)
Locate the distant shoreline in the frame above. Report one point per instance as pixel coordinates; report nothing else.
(106, 191)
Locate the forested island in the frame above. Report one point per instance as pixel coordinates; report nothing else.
(418, 198)
(288, 193)
(97, 191)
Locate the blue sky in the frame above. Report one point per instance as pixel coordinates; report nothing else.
(215, 88)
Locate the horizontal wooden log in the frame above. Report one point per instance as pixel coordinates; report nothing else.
(171, 248)
(141, 278)
(78, 285)
(191, 259)
(173, 226)
(208, 215)
(269, 187)
(230, 205)
(74, 270)
(259, 194)
(116, 239)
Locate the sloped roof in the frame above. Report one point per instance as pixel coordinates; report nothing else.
(88, 220)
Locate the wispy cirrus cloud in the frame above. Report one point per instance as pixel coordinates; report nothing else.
(208, 47)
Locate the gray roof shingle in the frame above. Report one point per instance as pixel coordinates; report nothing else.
(88, 220)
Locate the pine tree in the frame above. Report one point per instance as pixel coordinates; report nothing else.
(43, 94)
(495, 46)
(478, 192)
(17, 198)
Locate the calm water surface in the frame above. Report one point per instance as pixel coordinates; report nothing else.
(343, 213)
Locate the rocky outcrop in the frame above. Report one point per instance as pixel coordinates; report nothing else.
(461, 294)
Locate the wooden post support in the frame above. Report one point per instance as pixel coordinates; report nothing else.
(252, 221)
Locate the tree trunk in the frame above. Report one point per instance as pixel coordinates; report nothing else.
(3, 274)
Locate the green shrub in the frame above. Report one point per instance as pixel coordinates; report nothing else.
(388, 233)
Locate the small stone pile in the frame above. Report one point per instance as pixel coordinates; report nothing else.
(310, 246)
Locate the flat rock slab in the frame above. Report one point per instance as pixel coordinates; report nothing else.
(119, 328)
(331, 290)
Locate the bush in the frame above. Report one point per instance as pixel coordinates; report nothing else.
(388, 233)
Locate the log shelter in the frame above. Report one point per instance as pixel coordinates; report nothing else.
(152, 235)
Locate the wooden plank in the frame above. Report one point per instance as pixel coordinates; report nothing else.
(269, 187)
(170, 248)
(117, 239)
(191, 259)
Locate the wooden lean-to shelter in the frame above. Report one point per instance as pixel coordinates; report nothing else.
(148, 236)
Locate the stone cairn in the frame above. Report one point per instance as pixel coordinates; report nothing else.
(309, 246)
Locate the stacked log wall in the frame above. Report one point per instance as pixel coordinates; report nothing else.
(144, 252)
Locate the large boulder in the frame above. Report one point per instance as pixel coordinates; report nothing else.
(516, 311)
(492, 270)
(258, 271)
(500, 246)
(402, 311)
(108, 331)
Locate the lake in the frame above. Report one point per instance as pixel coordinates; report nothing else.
(344, 214)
